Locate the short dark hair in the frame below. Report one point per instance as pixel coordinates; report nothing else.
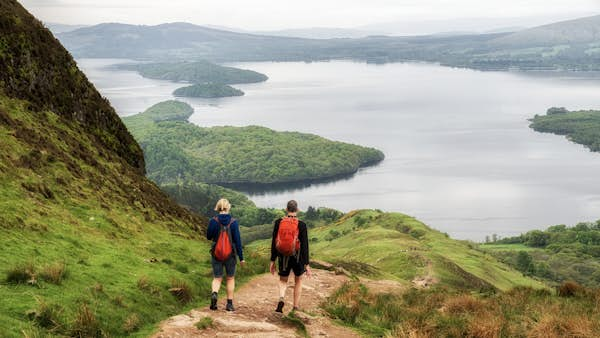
(292, 206)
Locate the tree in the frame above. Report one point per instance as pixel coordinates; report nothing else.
(556, 110)
(487, 239)
(494, 238)
(525, 263)
(311, 213)
(537, 238)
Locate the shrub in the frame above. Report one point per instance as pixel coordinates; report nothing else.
(333, 234)
(463, 304)
(85, 323)
(569, 289)
(417, 233)
(47, 316)
(132, 323)
(181, 290)
(21, 274)
(54, 273)
(204, 323)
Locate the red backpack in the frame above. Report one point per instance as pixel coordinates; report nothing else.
(223, 248)
(287, 242)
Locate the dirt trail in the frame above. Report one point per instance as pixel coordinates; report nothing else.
(427, 279)
(255, 303)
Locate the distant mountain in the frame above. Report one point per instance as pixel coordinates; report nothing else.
(322, 33)
(167, 41)
(566, 45)
(62, 28)
(578, 31)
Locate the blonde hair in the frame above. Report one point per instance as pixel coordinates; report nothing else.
(223, 205)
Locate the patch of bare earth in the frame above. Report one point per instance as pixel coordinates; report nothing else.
(255, 303)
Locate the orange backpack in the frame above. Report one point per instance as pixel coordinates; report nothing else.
(287, 242)
(223, 248)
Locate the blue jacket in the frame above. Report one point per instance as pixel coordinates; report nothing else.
(212, 233)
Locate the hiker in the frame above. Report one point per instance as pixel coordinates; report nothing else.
(290, 246)
(224, 231)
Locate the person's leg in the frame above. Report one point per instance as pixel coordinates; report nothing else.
(297, 290)
(298, 273)
(216, 284)
(230, 287)
(283, 282)
(230, 269)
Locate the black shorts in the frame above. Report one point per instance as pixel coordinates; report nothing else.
(292, 264)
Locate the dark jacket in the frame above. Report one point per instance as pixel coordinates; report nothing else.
(302, 236)
(212, 233)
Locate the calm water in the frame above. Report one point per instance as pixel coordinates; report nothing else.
(459, 153)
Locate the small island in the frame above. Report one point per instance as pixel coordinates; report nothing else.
(176, 150)
(581, 127)
(208, 91)
(199, 72)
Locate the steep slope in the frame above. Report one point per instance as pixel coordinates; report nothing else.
(36, 68)
(399, 247)
(578, 31)
(90, 246)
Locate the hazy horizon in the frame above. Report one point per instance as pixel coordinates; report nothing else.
(379, 16)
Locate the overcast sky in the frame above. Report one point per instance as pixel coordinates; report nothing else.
(280, 14)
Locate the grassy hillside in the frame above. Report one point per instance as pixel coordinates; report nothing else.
(399, 247)
(469, 292)
(91, 248)
(176, 151)
(199, 72)
(36, 68)
(581, 127)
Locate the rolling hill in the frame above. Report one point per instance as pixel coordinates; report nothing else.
(578, 31)
(569, 45)
(90, 246)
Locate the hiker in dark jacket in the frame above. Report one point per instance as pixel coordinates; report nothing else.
(297, 262)
(212, 233)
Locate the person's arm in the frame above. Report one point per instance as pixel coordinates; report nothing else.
(235, 233)
(303, 237)
(212, 231)
(273, 248)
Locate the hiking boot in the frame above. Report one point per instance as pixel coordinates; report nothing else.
(280, 307)
(229, 306)
(213, 301)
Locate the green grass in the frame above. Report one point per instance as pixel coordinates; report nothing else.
(506, 247)
(74, 258)
(204, 323)
(399, 247)
(443, 312)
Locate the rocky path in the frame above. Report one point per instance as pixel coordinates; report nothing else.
(255, 317)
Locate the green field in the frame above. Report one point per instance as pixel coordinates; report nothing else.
(399, 247)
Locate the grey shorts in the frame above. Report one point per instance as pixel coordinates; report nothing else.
(229, 266)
